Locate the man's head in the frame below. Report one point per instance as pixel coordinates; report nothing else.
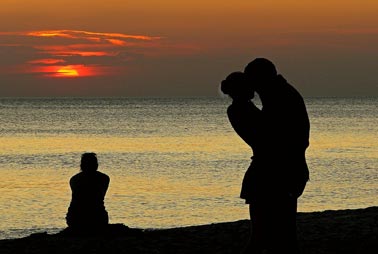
(260, 71)
(88, 162)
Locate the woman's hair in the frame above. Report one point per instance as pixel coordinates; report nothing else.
(88, 162)
(236, 85)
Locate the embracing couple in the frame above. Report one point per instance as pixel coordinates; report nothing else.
(278, 135)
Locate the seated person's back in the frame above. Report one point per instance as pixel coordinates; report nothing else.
(87, 209)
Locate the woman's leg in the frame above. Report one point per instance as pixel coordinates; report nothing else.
(257, 234)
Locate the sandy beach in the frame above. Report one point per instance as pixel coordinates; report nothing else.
(341, 231)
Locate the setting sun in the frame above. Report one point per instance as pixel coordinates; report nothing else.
(67, 71)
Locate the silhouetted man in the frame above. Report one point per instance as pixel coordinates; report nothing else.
(286, 134)
(87, 213)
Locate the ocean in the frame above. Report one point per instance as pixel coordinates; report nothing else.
(172, 162)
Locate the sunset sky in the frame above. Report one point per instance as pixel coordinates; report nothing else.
(184, 48)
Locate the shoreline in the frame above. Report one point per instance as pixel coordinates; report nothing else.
(326, 232)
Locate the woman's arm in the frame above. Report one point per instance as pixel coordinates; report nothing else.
(245, 121)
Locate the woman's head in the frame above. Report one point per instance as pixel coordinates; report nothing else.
(236, 86)
(88, 162)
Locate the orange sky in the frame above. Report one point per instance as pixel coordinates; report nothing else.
(322, 47)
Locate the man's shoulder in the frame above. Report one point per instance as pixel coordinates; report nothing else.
(78, 175)
(103, 175)
(76, 178)
(288, 89)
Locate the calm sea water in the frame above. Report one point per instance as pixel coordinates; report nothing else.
(172, 162)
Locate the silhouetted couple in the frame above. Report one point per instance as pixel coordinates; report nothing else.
(279, 136)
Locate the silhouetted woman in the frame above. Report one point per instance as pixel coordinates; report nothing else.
(87, 211)
(246, 120)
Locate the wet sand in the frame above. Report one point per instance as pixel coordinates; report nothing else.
(342, 231)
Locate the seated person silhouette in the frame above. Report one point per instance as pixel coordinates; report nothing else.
(86, 213)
